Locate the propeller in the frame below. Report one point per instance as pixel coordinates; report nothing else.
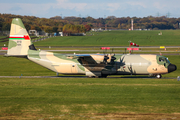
(112, 57)
(122, 61)
(105, 58)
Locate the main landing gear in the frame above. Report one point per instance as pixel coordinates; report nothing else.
(102, 76)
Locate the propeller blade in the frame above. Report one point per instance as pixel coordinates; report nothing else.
(105, 59)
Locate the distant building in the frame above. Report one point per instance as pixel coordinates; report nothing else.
(58, 34)
(61, 33)
(33, 32)
(100, 29)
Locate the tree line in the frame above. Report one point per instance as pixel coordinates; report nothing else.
(81, 25)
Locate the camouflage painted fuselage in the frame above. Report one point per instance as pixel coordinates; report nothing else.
(93, 65)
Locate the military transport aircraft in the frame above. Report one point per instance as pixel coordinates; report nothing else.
(91, 65)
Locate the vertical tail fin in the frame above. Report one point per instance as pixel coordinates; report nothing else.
(19, 40)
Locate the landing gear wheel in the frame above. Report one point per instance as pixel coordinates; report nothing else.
(91, 76)
(158, 76)
(103, 76)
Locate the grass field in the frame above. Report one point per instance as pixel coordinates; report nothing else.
(85, 98)
(4, 40)
(117, 38)
(12, 66)
(113, 38)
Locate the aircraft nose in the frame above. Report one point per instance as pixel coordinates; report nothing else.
(171, 68)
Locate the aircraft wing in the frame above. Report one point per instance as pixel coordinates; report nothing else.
(79, 56)
(88, 57)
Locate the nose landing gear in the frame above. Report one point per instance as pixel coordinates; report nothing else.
(158, 76)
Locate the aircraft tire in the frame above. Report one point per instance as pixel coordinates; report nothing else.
(103, 76)
(158, 76)
(91, 76)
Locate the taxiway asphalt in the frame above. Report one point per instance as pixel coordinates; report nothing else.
(126, 77)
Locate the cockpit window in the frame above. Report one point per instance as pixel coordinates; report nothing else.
(167, 60)
(163, 59)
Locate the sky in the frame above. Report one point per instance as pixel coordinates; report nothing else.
(93, 8)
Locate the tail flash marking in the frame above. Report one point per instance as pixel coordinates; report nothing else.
(19, 37)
